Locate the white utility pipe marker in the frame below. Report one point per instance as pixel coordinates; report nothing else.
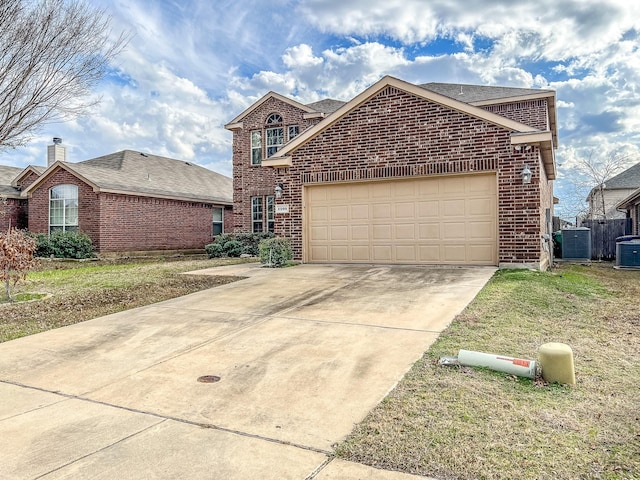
(500, 363)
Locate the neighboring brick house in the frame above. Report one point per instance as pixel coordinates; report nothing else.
(13, 208)
(603, 201)
(128, 201)
(408, 174)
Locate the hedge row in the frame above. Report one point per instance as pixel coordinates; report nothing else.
(64, 245)
(234, 245)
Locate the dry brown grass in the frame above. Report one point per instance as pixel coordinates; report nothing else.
(81, 291)
(464, 423)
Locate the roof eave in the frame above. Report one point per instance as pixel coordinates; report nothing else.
(50, 171)
(627, 203)
(212, 200)
(542, 140)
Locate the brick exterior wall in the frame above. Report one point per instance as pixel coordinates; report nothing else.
(398, 135)
(13, 214)
(132, 223)
(122, 223)
(255, 180)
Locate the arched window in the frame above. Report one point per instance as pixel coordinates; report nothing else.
(274, 133)
(63, 208)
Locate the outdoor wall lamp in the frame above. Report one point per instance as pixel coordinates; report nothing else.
(526, 174)
(279, 189)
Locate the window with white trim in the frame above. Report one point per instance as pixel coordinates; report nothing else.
(256, 147)
(256, 214)
(218, 220)
(261, 222)
(274, 133)
(293, 131)
(63, 208)
(271, 223)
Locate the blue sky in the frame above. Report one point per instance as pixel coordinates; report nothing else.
(193, 65)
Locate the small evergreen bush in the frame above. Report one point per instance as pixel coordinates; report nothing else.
(275, 252)
(232, 248)
(76, 245)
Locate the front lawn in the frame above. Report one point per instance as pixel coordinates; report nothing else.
(79, 291)
(465, 423)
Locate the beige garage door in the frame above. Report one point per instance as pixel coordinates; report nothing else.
(442, 220)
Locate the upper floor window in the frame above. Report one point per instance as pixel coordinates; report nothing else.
(63, 208)
(294, 130)
(256, 147)
(274, 133)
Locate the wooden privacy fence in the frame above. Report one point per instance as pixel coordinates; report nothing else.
(604, 234)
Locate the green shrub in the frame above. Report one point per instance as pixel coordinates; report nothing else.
(234, 245)
(76, 245)
(275, 252)
(214, 250)
(232, 248)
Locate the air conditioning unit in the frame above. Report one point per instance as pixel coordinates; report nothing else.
(628, 252)
(576, 244)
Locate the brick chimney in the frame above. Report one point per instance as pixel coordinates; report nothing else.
(56, 152)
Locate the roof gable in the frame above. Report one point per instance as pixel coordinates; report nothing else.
(388, 81)
(237, 122)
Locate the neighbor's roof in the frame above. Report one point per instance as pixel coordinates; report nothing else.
(135, 173)
(630, 178)
(328, 105)
(7, 174)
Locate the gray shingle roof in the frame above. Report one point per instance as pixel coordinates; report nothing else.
(630, 178)
(328, 105)
(134, 172)
(7, 175)
(479, 93)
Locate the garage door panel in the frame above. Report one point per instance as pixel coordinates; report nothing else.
(339, 253)
(339, 233)
(381, 211)
(481, 230)
(453, 208)
(406, 253)
(320, 233)
(405, 231)
(359, 212)
(429, 253)
(382, 232)
(382, 253)
(430, 209)
(360, 253)
(429, 231)
(450, 220)
(319, 214)
(360, 232)
(339, 213)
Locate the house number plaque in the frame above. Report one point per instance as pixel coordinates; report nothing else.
(282, 208)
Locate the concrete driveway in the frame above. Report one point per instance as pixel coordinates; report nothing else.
(302, 354)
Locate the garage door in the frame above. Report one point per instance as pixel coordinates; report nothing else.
(442, 220)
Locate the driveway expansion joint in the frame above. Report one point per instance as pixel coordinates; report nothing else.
(168, 417)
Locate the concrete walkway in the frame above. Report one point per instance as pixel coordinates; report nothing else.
(297, 357)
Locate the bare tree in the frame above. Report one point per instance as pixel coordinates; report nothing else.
(52, 54)
(598, 169)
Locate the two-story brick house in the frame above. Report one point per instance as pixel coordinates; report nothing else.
(402, 173)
